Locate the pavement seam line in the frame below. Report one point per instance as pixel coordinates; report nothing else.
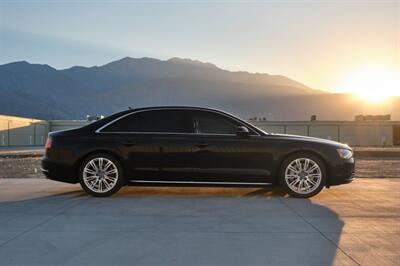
(38, 225)
(322, 234)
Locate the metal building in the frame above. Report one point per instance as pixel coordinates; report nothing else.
(19, 131)
(355, 133)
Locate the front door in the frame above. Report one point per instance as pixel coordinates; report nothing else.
(222, 156)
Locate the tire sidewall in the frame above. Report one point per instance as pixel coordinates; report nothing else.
(118, 185)
(308, 155)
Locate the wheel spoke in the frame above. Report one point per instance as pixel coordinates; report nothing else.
(316, 175)
(300, 187)
(312, 182)
(101, 163)
(88, 171)
(108, 164)
(111, 178)
(291, 168)
(307, 185)
(294, 183)
(298, 165)
(306, 163)
(312, 168)
(106, 184)
(92, 177)
(94, 166)
(111, 172)
(94, 184)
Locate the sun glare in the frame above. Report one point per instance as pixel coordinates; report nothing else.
(372, 83)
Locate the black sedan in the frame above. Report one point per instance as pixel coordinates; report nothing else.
(192, 146)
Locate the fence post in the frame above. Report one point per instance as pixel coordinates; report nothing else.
(8, 132)
(34, 134)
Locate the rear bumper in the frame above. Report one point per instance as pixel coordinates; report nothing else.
(58, 172)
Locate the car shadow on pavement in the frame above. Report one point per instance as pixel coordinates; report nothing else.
(170, 226)
(200, 191)
(267, 192)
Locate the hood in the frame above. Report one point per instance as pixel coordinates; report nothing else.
(311, 139)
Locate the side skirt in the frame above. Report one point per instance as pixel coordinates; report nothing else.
(195, 183)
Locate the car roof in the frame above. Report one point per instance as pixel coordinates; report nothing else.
(201, 108)
(176, 107)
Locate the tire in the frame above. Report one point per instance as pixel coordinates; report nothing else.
(104, 180)
(303, 175)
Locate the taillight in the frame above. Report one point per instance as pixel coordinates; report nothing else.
(49, 143)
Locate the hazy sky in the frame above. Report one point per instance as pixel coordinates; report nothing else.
(314, 42)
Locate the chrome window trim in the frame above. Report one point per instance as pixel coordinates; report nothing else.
(173, 133)
(166, 133)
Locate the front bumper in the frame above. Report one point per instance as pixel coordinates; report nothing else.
(342, 172)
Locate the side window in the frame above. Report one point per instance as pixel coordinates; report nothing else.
(211, 123)
(158, 121)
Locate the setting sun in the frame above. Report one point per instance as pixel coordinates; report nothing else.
(374, 83)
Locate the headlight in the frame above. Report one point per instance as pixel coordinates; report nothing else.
(345, 153)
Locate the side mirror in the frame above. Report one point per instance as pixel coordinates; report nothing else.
(242, 131)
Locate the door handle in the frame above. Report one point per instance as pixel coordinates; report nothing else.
(128, 143)
(201, 145)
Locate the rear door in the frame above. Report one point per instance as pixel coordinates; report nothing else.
(157, 144)
(222, 156)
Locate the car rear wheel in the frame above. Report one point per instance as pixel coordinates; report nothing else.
(101, 175)
(303, 175)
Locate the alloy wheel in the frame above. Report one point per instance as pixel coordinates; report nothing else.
(303, 175)
(100, 175)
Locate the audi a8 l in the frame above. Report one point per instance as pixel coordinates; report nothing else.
(191, 146)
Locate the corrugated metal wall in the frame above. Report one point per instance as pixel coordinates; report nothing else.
(374, 133)
(19, 131)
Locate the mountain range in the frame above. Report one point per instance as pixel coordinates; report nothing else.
(41, 91)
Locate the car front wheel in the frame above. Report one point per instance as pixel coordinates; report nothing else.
(303, 175)
(101, 175)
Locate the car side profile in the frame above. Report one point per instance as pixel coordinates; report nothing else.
(191, 146)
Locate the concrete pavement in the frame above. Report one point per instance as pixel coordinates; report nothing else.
(43, 222)
(21, 150)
